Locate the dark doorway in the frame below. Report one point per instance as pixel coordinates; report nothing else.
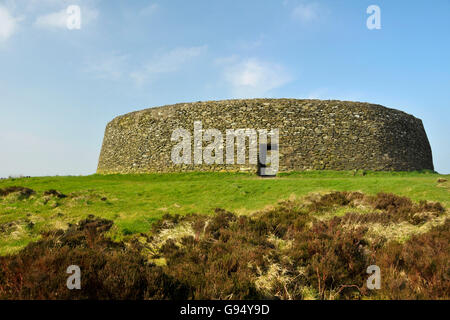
(262, 164)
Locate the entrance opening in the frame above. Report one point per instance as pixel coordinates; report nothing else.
(262, 162)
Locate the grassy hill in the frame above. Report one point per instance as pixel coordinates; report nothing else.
(135, 202)
(308, 235)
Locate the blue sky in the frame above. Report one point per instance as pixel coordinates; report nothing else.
(60, 87)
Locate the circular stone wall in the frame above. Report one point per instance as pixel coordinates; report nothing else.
(313, 134)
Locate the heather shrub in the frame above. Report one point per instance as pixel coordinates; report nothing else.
(109, 270)
(392, 203)
(418, 269)
(22, 191)
(54, 193)
(334, 199)
(219, 264)
(435, 207)
(333, 259)
(167, 221)
(282, 220)
(394, 209)
(286, 252)
(219, 222)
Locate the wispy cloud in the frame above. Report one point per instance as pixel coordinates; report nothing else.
(33, 4)
(111, 67)
(150, 9)
(174, 59)
(117, 66)
(58, 19)
(253, 77)
(167, 62)
(52, 20)
(306, 12)
(8, 24)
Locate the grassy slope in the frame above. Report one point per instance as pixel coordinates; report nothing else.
(134, 202)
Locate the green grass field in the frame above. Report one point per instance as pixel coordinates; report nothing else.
(134, 202)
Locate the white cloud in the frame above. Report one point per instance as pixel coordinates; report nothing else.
(174, 59)
(224, 61)
(111, 67)
(254, 77)
(33, 4)
(139, 77)
(43, 6)
(150, 9)
(118, 66)
(168, 62)
(8, 24)
(52, 20)
(307, 12)
(58, 19)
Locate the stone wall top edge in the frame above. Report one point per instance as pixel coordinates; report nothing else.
(188, 105)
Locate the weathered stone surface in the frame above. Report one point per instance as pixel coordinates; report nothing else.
(314, 134)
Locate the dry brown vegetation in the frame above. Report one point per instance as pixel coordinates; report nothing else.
(287, 252)
(22, 191)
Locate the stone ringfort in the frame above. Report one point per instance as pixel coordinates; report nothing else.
(313, 135)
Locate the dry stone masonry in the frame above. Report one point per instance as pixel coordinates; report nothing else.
(313, 135)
